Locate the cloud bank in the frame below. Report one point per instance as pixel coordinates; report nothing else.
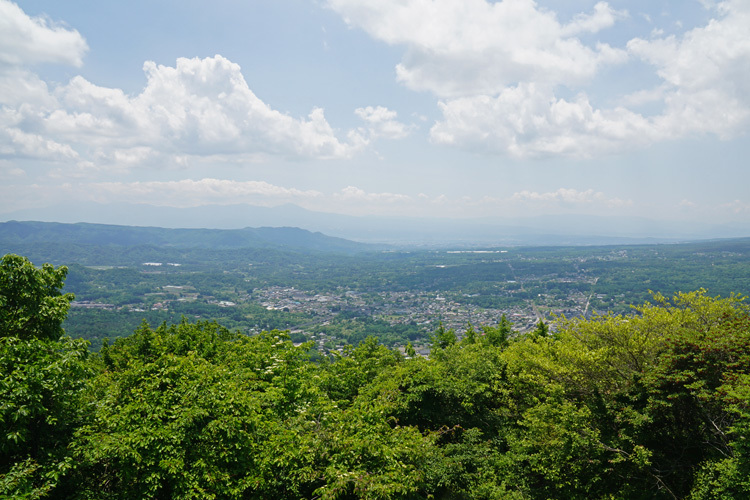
(350, 200)
(200, 107)
(27, 41)
(497, 69)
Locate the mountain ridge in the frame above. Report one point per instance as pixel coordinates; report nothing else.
(552, 229)
(93, 234)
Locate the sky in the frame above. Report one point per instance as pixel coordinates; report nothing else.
(451, 108)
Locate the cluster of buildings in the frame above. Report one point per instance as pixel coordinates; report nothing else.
(402, 307)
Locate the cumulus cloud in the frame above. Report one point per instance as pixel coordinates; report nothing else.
(498, 67)
(463, 47)
(705, 74)
(37, 146)
(19, 87)
(382, 122)
(603, 17)
(199, 107)
(705, 89)
(25, 40)
(529, 121)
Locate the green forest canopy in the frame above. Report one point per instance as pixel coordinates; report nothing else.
(655, 405)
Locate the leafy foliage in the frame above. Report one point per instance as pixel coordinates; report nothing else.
(31, 303)
(646, 395)
(42, 379)
(651, 405)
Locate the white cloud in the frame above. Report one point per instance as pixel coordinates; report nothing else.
(709, 4)
(355, 194)
(199, 107)
(10, 171)
(529, 121)
(25, 40)
(382, 122)
(466, 47)
(497, 68)
(565, 196)
(688, 204)
(737, 207)
(705, 90)
(19, 87)
(36, 146)
(705, 73)
(602, 17)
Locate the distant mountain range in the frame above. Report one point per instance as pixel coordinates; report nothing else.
(15, 234)
(490, 231)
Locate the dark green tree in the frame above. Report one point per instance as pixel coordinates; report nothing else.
(409, 350)
(443, 338)
(31, 302)
(470, 337)
(42, 379)
(542, 329)
(498, 335)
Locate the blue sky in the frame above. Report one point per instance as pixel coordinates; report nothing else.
(460, 108)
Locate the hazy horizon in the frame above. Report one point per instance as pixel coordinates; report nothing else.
(567, 229)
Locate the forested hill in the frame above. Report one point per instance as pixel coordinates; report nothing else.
(16, 236)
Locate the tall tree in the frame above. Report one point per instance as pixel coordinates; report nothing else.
(42, 378)
(31, 302)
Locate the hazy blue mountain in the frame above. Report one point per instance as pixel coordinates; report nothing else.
(87, 234)
(543, 230)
